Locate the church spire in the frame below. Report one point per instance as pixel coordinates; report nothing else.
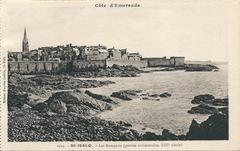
(25, 45)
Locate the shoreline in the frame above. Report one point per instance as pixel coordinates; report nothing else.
(49, 83)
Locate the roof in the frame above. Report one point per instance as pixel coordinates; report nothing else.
(177, 57)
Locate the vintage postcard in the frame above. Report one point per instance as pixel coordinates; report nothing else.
(120, 75)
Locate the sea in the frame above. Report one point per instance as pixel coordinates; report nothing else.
(167, 113)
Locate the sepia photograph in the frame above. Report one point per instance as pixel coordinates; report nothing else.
(116, 75)
(118, 71)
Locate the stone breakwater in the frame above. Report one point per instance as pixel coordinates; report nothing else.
(36, 113)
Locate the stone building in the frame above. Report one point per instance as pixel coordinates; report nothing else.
(114, 54)
(158, 62)
(15, 56)
(96, 53)
(177, 61)
(134, 56)
(165, 62)
(124, 54)
(35, 54)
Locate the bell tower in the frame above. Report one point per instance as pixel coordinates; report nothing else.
(25, 45)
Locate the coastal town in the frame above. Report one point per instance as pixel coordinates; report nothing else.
(53, 59)
(51, 98)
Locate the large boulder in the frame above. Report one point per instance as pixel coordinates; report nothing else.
(75, 101)
(122, 123)
(167, 135)
(34, 99)
(41, 107)
(100, 97)
(57, 106)
(17, 99)
(203, 109)
(118, 67)
(220, 102)
(165, 95)
(223, 110)
(126, 94)
(151, 136)
(200, 67)
(214, 128)
(206, 98)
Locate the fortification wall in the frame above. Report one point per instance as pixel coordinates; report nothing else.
(180, 61)
(138, 64)
(93, 64)
(156, 62)
(36, 67)
(165, 62)
(32, 67)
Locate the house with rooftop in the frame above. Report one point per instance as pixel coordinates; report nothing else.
(134, 56)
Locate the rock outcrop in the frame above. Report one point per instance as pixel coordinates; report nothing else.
(132, 94)
(35, 90)
(214, 128)
(199, 67)
(100, 97)
(209, 105)
(204, 98)
(165, 95)
(203, 109)
(126, 94)
(76, 101)
(29, 125)
(114, 71)
(220, 102)
(68, 115)
(223, 110)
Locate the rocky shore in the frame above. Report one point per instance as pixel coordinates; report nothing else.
(186, 67)
(199, 67)
(114, 71)
(56, 108)
(141, 94)
(208, 104)
(38, 88)
(30, 125)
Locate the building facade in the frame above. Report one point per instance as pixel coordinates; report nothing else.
(177, 61)
(134, 56)
(165, 62)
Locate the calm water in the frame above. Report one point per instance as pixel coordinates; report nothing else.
(170, 113)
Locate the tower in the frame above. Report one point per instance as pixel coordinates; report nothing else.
(25, 45)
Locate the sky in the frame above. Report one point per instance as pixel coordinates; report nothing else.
(198, 31)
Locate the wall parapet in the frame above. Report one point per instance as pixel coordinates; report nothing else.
(138, 64)
(33, 67)
(81, 65)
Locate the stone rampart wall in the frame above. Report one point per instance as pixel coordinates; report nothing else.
(138, 64)
(85, 65)
(32, 67)
(35, 67)
(158, 62)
